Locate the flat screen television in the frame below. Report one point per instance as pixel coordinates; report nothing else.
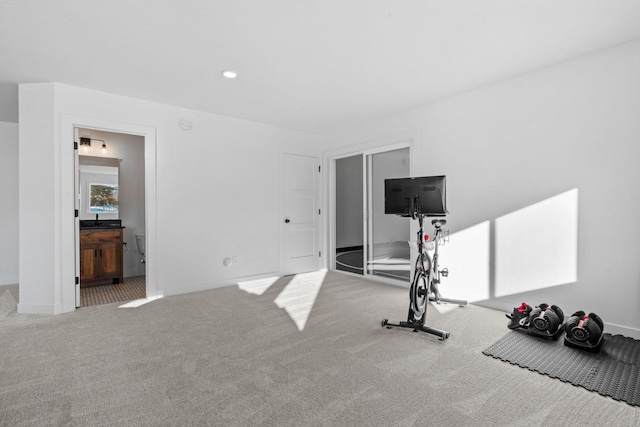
(410, 197)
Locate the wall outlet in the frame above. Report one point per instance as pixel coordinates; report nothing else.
(234, 260)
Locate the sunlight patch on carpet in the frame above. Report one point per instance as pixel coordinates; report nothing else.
(138, 302)
(298, 297)
(8, 303)
(444, 307)
(257, 287)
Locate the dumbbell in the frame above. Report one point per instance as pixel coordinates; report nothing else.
(545, 318)
(584, 328)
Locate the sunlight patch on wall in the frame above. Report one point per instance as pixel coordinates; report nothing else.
(298, 297)
(257, 287)
(467, 257)
(537, 246)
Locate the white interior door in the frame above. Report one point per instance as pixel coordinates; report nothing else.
(300, 233)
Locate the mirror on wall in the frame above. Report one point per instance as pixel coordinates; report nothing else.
(99, 186)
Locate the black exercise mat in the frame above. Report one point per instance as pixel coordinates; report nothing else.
(613, 372)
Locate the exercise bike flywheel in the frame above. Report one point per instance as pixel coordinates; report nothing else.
(419, 297)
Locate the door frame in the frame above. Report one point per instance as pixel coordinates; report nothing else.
(76, 203)
(406, 140)
(67, 132)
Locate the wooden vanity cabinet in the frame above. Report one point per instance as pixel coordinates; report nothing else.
(100, 257)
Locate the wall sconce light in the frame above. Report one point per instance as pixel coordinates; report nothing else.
(85, 144)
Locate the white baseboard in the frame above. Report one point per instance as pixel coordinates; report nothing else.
(39, 308)
(205, 286)
(626, 331)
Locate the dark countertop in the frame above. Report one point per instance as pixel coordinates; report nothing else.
(103, 227)
(101, 224)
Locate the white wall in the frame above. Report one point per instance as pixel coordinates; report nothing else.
(8, 203)
(217, 192)
(40, 264)
(9, 104)
(522, 141)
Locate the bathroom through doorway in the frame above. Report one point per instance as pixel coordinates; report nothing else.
(110, 189)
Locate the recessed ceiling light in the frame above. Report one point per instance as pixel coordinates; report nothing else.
(230, 74)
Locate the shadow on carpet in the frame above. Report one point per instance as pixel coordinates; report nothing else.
(613, 372)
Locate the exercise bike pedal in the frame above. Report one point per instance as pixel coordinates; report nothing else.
(444, 272)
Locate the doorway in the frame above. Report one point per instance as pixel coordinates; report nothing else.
(71, 269)
(111, 189)
(367, 241)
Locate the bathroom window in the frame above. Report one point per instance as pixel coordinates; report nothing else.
(103, 198)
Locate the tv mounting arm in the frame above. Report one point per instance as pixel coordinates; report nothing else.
(413, 212)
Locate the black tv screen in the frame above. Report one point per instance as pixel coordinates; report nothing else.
(412, 196)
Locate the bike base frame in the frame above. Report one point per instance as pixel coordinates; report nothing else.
(417, 327)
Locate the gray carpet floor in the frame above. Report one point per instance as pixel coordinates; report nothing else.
(225, 357)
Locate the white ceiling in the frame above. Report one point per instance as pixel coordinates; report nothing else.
(312, 65)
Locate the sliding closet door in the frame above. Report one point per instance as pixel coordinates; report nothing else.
(387, 249)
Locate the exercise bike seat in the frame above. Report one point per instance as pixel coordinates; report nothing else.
(438, 222)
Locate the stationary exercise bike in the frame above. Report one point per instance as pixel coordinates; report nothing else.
(424, 286)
